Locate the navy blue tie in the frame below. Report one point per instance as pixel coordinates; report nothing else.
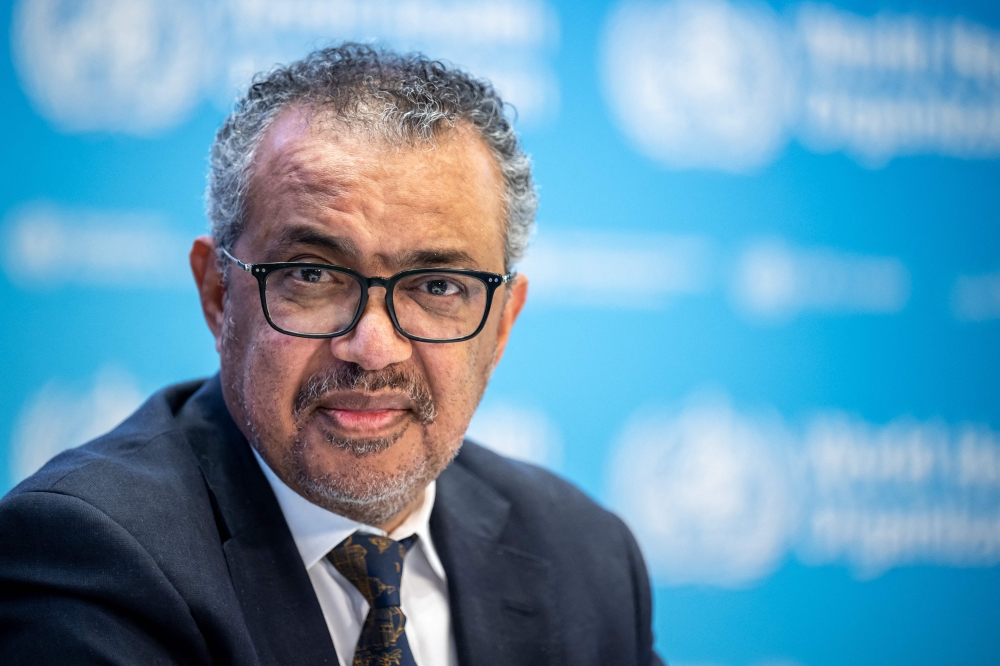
(374, 565)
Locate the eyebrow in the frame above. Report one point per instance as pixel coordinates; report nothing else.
(344, 248)
(440, 257)
(301, 235)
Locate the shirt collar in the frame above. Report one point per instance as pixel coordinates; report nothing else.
(316, 531)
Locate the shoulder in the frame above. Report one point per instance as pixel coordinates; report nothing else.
(125, 449)
(139, 475)
(124, 523)
(109, 538)
(540, 500)
(601, 574)
(522, 481)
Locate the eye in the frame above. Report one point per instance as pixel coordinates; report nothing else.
(311, 274)
(440, 287)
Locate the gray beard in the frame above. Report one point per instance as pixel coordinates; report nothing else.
(365, 446)
(372, 498)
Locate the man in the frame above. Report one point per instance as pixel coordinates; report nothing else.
(265, 516)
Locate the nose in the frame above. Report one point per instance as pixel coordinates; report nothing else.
(374, 343)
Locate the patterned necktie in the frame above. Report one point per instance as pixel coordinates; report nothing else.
(374, 565)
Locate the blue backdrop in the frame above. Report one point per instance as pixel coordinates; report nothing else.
(765, 302)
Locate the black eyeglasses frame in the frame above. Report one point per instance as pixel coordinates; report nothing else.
(262, 271)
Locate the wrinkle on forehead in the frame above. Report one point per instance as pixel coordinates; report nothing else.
(291, 139)
(321, 170)
(290, 161)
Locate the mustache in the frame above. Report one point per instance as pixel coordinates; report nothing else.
(352, 377)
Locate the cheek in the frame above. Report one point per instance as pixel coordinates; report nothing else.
(269, 370)
(266, 369)
(458, 379)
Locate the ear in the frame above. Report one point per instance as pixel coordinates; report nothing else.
(518, 290)
(211, 287)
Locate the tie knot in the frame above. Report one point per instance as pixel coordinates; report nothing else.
(374, 565)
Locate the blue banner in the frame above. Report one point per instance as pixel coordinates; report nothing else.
(764, 314)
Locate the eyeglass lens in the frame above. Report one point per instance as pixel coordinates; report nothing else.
(323, 301)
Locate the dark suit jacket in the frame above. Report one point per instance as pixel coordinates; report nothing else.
(162, 543)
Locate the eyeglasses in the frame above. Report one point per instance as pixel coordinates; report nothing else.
(312, 300)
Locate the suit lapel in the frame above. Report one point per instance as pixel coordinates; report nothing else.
(501, 598)
(279, 604)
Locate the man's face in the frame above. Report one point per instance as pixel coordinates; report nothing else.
(362, 422)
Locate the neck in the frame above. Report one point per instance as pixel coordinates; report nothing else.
(400, 517)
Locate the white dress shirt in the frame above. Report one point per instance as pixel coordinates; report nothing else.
(423, 589)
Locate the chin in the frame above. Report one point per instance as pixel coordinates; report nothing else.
(370, 489)
(369, 479)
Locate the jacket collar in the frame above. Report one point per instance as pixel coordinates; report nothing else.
(279, 605)
(502, 598)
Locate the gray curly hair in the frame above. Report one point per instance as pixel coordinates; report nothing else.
(401, 99)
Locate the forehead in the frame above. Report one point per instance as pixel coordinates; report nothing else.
(382, 201)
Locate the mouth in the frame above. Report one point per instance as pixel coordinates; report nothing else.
(363, 416)
(365, 423)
